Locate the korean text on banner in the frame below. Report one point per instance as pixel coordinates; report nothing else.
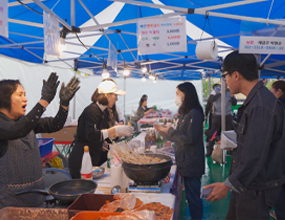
(51, 32)
(161, 35)
(262, 45)
(112, 57)
(4, 18)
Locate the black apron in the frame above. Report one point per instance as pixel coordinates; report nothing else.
(20, 169)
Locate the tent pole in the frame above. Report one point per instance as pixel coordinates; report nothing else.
(278, 71)
(186, 10)
(209, 83)
(277, 63)
(26, 35)
(45, 8)
(78, 44)
(258, 57)
(127, 46)
(223, 116)
(21, 44)
(74, 98)
(244, 18)
(72, 12)
(95, 20)
(265, 59)
(11, 20)
(11, 4)
(124, 96)
(97, 27)
(204, 10)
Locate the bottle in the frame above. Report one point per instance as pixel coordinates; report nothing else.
(86, 166)
(109, 157)
(148, 140)
(153, 137)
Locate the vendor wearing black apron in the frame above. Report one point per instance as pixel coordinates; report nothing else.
(20, 160)
(93, 128)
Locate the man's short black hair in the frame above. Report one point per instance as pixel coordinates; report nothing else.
(245, 64)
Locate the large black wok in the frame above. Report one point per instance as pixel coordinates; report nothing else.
(67, 190)
(148, 172)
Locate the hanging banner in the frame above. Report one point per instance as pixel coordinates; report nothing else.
(161, 35)
(4, 18)
(261, 38)
(51, 34)
(112, 57)
(262, 45)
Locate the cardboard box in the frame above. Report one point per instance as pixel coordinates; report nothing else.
(88, 202)
(63, 136)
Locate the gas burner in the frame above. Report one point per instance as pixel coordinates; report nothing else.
(51, 202)
(155, 183)
(148, 187)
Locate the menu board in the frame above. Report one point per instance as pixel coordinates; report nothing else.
(262, 45)
(161, 35)
(51, 37)
(4, 18)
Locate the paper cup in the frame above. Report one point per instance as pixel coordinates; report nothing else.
(153, 148)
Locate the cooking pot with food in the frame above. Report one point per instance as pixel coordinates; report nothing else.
(151, 172)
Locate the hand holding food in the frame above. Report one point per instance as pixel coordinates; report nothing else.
(163, 128)
(49, 87)
(124, 130)
(67, 93)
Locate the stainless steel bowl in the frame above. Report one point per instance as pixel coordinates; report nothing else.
(98, 172)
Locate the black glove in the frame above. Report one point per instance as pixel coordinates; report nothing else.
(67, 93)
(49, 87)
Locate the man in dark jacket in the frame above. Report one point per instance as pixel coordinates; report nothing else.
(216, 125)
(257, 169)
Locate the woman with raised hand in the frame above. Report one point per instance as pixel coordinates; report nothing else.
(20, 160)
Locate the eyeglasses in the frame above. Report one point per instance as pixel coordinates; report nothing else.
(225, 73)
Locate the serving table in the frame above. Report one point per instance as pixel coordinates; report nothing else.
(171, 190)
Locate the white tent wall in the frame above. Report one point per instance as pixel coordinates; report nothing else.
(161, 94)
(31, 77)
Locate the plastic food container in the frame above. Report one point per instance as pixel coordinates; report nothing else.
(228, 140)
(46, 145)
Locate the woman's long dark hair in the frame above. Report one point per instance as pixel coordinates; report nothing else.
(143, 98)
(190, 99)
(279, 85)
(102, 99)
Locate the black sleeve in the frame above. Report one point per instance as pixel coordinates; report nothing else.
(192, 132)
(49, 124)
(208, 107)
(92, 121)
(139, 114)
(213, 98)
(234, 100)
(10, 130)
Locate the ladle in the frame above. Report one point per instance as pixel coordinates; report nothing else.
(116, 189)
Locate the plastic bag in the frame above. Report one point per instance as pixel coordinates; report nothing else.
(56, 163)
(134, 215)
(125, 201)
(217, 154)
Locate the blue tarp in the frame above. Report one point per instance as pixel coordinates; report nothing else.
(226, 30)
